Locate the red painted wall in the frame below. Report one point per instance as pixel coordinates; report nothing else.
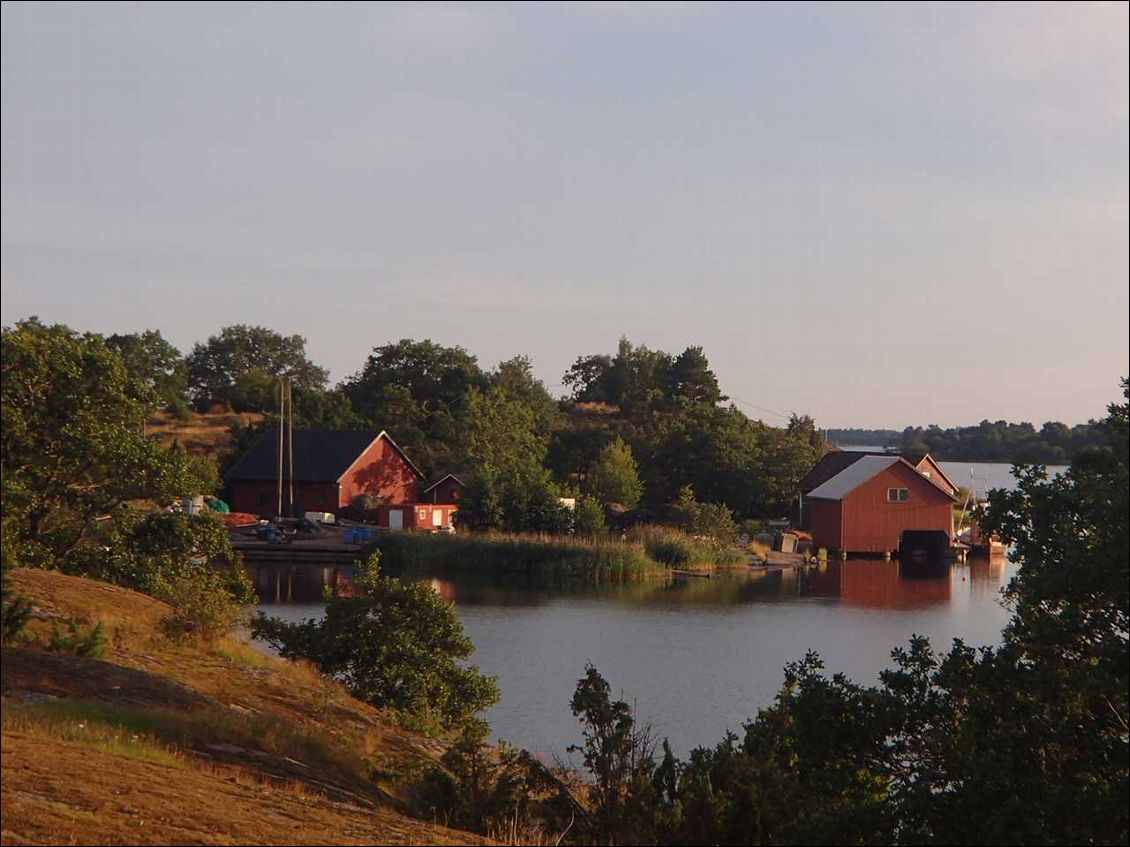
(824, 523)
(260, 497)
(419, 516)
(381, 472)
(928, 465)
(865, 522)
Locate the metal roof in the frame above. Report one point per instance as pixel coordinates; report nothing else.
(853, 476)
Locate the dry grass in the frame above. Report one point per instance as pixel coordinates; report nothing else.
(201, 435)
(241, 728)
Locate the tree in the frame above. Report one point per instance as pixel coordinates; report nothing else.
(73, 448)
(394, 644)
(1024, 743)
(514, 379)
(216, 365)
(589, 517)
(693, 380)
(415, 389)
(620, 756)
(497, 431)
(614, 477)
(152, 360)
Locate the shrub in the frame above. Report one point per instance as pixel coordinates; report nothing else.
(90, 643)
(394, 644)
(15, 609)
(204, 607)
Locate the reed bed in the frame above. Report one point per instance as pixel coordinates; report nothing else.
(544, 556)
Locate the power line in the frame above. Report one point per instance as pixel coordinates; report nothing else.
(781, 415)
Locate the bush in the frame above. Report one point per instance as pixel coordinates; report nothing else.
(88, 643)
(15, 609)
(589, 517)
(204, 607)
(677, 549)
(394, 644)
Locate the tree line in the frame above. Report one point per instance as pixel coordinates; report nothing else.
(639, 430)
(1054, 443)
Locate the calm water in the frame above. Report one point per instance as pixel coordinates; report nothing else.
(700, 656)
(978, 477)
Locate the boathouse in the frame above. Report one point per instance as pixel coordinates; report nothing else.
(331, 468)
(864, 502)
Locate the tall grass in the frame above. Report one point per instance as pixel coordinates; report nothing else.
(646, 552)
(546, 556)
(677, 549)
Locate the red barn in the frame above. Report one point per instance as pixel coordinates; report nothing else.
(867, 504)
(331, 468)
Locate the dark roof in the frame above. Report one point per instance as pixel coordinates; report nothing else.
(457, 477)
(320, 455)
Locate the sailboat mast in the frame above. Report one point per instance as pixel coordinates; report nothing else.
(290, 429)
(282, 403)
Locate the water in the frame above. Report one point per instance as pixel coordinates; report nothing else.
(979, 477)
(700, 656)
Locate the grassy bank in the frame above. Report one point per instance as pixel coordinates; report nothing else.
(676, 549)
(544, 556)
(646, 552)
(163, 742)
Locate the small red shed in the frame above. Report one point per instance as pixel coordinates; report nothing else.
(331, 468)
(447, 489)
(870, 503)
(427, 517)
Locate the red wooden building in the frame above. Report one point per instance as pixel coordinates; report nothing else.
(865, 502)
(447, 489)
(427, 517)
(331, 468)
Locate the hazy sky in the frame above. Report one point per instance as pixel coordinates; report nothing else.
(879, 215)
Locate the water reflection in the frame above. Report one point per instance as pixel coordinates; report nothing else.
(865, 584)
(699, 655)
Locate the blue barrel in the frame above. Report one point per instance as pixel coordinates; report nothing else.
(350, 536)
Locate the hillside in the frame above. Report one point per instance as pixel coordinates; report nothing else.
(158, 743)
(201, 434)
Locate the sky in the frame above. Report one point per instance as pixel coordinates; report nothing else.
(878, 215)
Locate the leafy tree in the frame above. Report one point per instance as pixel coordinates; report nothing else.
(499, 432)
(415, 389)
(693, 380)
(73, 449)
(708, 520)
(589, 517)
(514, 379)
(395, 644)
(152, 552)
(480, 508)
(217, 365)
(152, 360)
(614, 477)
(620, 756)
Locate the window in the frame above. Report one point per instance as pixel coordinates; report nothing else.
(898, 495)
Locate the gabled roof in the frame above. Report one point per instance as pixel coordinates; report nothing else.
(320, 455)
(853, 476)
(442, 478)
(863, 469)
(828, 466)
